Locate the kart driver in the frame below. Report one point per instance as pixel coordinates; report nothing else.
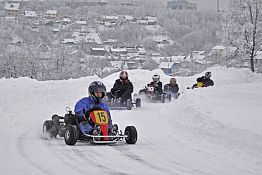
(123, 88)
(96, 92)
(157, 84)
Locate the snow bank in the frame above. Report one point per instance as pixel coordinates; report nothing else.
(206, 131)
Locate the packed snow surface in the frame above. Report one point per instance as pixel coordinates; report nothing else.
(208, 131)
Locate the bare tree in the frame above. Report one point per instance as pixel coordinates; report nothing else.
(243, 27)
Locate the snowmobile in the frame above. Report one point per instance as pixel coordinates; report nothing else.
(67, 126)
(149, 94)
(118, 104)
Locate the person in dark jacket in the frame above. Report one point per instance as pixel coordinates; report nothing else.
(123, 88)
(204, 81)
(97, 92)
(172, 87)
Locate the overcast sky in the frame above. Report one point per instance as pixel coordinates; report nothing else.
(210, 4)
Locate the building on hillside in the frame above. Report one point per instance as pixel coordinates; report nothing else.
(152, 20)
(98, 51)
(181, 5)
(129, 18)
(65, 20)
(117, 64)
(176, 58)
(258, 61)
(11, 9)
(68, 41)
(131, 65)
(30, 14)
(168, 67)
(197, 56)
(132, 51)
(141, 51)
(51, 13)
(127, 3)
(109, 18)
(19, 1)
(258, 57)
(94, 38)
(81, 21)
(110, 42)
(118, 51)
(218, 51)
(56, 30)
(102, 2)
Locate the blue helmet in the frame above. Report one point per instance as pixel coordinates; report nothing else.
(97, 86)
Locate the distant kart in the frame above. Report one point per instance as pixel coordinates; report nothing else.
(68, 127)
(170, 95)
(149, 94)
(117, 103)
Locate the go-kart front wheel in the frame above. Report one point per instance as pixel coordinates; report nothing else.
(169, 97)
(70, 135)
(138, 102)
(162, 98)
(131, 133)
(129, 104)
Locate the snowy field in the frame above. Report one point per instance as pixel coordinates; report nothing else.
(208, 131)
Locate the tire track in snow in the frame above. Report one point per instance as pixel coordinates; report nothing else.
(176, 166)
(78, 156)
(64, 157)
(92, 160)
(124, 150)
(20, 144)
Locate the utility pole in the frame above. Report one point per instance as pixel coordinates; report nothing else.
(217, 6)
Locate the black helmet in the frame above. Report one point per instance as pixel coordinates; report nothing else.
(208, 74)
(97, 86)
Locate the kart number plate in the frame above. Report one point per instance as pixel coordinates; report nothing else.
(150, 89)
(101, 117)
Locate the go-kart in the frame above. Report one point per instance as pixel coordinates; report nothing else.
(170, 95)
(69, 128)
(115, 103)
(149, 94)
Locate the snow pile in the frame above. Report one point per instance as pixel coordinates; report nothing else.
(206, 131)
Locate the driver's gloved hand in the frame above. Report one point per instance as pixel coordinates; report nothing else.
(114, 129)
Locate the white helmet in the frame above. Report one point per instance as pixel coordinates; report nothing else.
(208, 74)
(156, 78)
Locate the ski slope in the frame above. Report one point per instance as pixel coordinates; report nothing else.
(208, 131)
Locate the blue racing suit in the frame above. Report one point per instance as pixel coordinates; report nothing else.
(87, 104)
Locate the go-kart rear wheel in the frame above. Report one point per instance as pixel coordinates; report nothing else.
(131, 133)
(162, 98)
(55, 119)
(49, 129)
(70, 135)
(129, 104)
(138, 102)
